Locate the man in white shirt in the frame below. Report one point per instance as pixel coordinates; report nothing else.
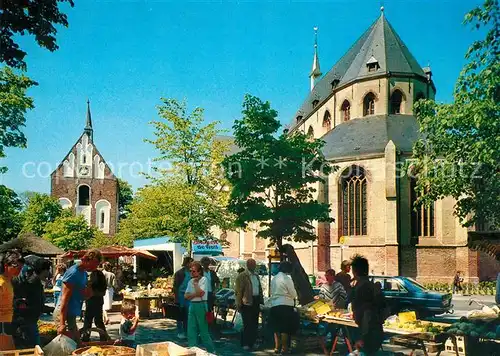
(249, 297)
(213, 282)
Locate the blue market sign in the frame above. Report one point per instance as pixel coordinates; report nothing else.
(206, 248)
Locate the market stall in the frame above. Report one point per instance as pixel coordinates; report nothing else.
(151, 297)
(404, 329)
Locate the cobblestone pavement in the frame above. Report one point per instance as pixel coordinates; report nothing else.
(227, 344)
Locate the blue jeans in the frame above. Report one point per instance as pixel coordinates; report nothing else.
(184, 308)
(56, 298)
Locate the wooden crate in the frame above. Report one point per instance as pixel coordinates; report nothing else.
(36, 351)
(167, 348)
(118, 350)
(448, 345)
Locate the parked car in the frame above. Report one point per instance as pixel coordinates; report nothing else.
(404, 293)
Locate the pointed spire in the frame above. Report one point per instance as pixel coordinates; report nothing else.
(88, 127)
(316, 71)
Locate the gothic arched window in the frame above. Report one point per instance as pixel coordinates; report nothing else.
(83, 195)
(422, 217)
(327, 121)
(369, 104)
(346, 110)
(310, 132)
(353, 202)
(396, 102)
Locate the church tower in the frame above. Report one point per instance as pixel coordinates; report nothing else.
(84, 183)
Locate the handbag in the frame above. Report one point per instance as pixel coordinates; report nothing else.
(209, 315)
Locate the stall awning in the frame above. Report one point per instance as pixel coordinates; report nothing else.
(113, 252)
(31, 244)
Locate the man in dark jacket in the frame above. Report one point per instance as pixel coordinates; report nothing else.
(213, 281)
(181, 279)
(29, 300)
(368, 306)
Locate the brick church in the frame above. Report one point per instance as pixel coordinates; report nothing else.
(84, 183)
(362, 109)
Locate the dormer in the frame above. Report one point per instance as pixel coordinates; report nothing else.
(315, 103)
(299, 118)
(334, 83)
(428, 72)
(372, 64)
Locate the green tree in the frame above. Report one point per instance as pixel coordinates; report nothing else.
(459, 152)
(273, 176)
(70, 232)
(10, 217)
(14, 103)
(125, 197)
(162, 209)
(34, 17)
(42, 209)
(194, 153)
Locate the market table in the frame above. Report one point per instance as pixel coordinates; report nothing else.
(416, 341)
(144, 303)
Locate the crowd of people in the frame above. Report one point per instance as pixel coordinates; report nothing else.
(22, 299)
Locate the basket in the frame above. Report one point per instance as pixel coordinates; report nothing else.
(119, 350)
(36, 351)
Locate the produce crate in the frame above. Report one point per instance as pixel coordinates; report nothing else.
(167, 348)
(36, 351)
(117, 350)
(460, 344)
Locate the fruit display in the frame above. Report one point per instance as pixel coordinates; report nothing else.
(106, 351)
(164, 283)
(477, 328)
(47, 329)
(416, 326)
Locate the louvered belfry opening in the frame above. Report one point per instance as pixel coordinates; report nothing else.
(353, 202)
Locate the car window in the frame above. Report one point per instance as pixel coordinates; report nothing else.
(416, 284)
(393, 285)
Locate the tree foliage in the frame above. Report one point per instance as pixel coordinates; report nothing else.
(14, 103)
(161, 209)
(10, 217)
(459, 152)
(33, 17)
(70, 232)
(273, 177)
(41, 210)
(186, 200)
(125, 197)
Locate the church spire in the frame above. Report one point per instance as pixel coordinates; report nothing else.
(315, 72)
(88, 127)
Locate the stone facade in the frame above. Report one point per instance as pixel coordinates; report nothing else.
(430, 245)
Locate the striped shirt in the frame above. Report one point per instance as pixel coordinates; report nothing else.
(335, 293)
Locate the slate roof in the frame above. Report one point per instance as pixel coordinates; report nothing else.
(370, 135)
(382, 43)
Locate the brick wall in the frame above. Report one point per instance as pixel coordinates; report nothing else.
(107, 189)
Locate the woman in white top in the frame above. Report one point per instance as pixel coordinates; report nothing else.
(283, 317)
(196, 293)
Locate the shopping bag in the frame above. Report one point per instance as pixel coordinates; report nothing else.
(61, 345)
(210, 317)
(238, 322)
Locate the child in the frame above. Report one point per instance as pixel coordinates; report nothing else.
(128, 325)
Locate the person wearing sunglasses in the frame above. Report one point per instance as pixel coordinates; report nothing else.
(196, 293)
(11, 263)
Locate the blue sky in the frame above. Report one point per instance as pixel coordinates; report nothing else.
(125, 55)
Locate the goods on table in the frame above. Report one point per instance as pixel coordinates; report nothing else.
(477, 328)
(339, 314)
(415, 326)
(105, 351)
(164, 283)
(312, 310)
(47, 329)
(485, 313)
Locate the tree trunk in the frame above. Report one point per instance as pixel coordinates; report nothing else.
(299, 276)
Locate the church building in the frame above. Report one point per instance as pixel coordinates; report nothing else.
(84, 183)
(363, 109)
